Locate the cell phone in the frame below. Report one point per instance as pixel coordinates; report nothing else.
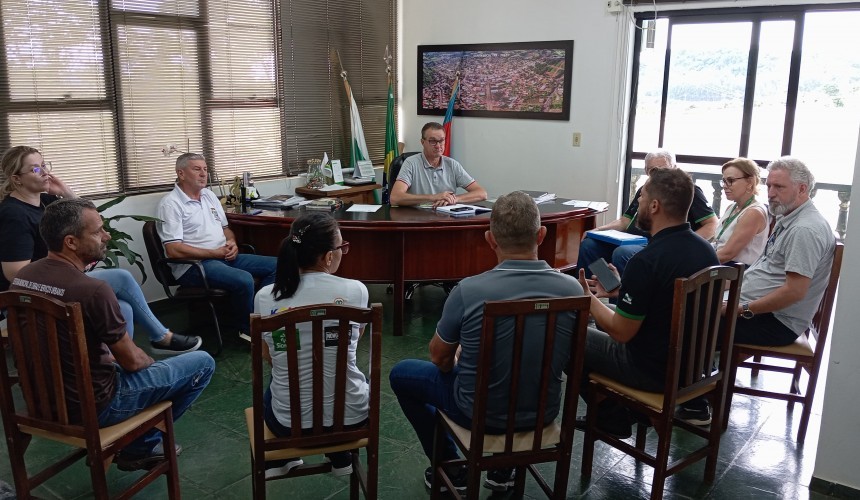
(460, 209)
(605, 276)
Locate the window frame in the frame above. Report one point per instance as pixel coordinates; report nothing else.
(755, 15)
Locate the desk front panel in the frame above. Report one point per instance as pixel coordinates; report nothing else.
(427, 246)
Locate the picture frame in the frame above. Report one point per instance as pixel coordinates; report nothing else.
(527, 80)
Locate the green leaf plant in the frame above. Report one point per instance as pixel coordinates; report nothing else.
(117, 246)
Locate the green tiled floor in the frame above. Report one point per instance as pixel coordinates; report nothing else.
(759, 457)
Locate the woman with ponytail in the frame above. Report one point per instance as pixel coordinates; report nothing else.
(307, 261)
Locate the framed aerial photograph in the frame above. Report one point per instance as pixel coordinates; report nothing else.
(497, 80)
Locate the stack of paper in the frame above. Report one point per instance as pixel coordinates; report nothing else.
(460, 209)
(278, 201)
(598, 206)
(544, 198)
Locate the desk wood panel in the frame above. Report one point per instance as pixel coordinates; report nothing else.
(396, 245)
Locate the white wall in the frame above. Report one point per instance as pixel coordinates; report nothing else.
(838, 443)
(508, 154)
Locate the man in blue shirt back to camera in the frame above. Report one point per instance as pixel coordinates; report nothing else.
(447, 382)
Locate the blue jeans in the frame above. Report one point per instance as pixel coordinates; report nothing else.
(237, 277)
(421, 388)
(132, 303)
(179, 379)
(591, 249)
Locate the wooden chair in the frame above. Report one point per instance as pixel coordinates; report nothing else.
(806, 353)
(161, 267)
(316, 440)
(40, 329)
(698, 331)
(550, 443)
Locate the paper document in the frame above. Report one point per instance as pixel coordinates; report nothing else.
(333, 187)
(357, 207)
(594, 205)
(365, 169)
(545, 197)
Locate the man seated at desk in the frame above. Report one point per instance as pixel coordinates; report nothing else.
(430, 177)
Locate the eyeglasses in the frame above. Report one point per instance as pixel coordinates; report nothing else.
(43, 169)
(434, 142)
(343, 247)
(728, 181)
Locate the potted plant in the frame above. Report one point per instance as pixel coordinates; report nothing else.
(117, 246)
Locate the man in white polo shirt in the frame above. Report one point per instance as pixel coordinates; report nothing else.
(193, 226)
(430, 177)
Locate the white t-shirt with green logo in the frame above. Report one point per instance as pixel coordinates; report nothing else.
(316, 288)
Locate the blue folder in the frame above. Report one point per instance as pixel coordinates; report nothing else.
(617, 237)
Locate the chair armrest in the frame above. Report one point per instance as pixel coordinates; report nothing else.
(248, 248)
(193, 262)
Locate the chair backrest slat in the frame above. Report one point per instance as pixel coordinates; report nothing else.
(292, 336)
(820, 326)
(318, 376)
(699, 329)
(516, 313)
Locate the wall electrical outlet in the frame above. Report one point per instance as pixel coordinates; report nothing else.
(614, 6)
(577, 139)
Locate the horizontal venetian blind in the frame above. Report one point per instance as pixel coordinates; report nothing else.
(54, 94)
(202, 79)
(315, 106)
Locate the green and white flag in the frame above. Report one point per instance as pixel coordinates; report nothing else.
(359, 147)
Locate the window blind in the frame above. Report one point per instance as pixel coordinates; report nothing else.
(102, 86)
(54, 94)
(315, 105)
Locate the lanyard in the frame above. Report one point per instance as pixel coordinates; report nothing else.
(731, 219)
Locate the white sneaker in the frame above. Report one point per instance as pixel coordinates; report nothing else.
(284, 469)
(342, 471)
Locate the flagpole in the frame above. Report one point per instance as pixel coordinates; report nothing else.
(390, 132)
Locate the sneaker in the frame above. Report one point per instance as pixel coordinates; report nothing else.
(615, 428)
(341, 465)
(695, 411)
(278, 468)
(500, 479)
(178, 344)
(458, 479)
(244, 336)
(128, 463)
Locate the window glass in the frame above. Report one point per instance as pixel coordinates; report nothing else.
(771, 87)
(828, 101)
(707, 77)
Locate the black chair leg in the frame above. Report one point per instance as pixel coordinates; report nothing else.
(220, 344)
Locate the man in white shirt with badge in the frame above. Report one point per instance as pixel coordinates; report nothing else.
(194, 226)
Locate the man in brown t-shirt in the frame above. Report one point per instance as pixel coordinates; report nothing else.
(124, 377)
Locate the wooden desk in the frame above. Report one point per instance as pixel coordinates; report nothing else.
(396, 245)
(355, 194)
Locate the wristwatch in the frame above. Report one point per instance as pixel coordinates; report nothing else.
(746, 313)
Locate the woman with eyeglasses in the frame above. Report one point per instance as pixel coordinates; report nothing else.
(742, 233)
(28, 187)
(307, 261)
